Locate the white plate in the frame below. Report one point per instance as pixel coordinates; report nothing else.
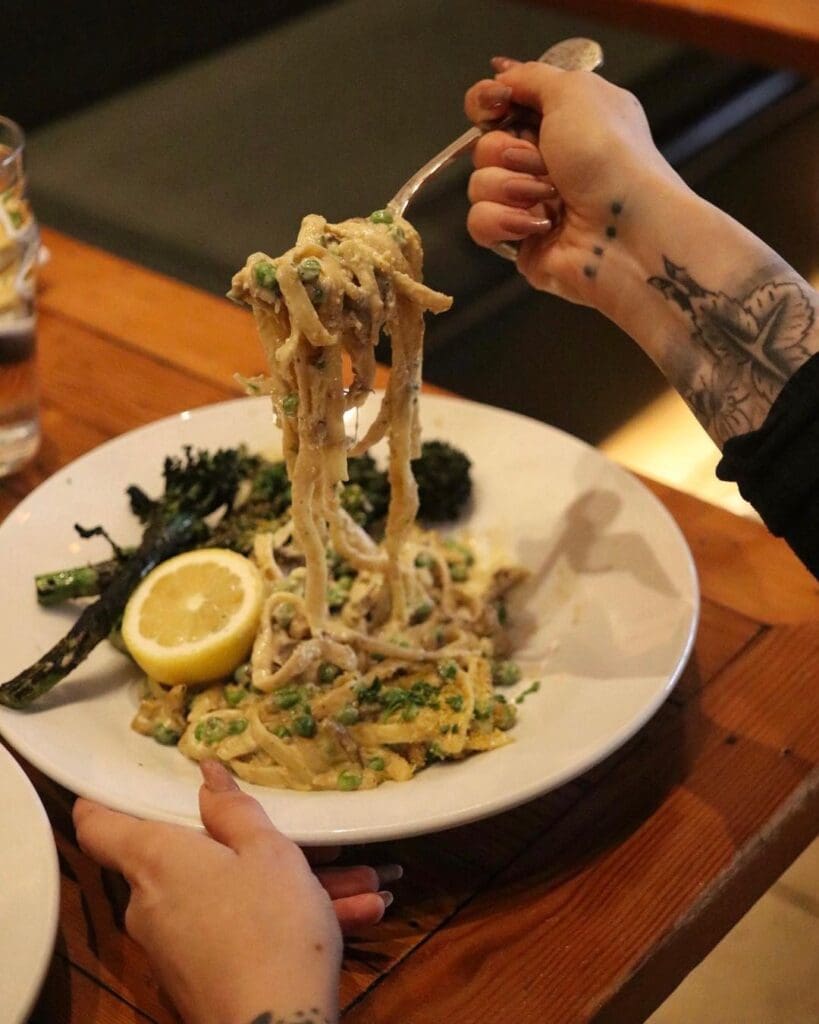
(29, 891)
(609, 620)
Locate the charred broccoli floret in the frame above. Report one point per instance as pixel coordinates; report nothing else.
(444, 482)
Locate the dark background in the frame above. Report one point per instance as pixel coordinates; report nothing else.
(185, 136)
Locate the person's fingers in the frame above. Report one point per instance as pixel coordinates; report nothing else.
(340, 882)
(510, 187)
(108, 837)
(531, 83)
(232, 817)
(503, 63)
(500, 149)
(489, 223)
(359, 911)
(487, 100)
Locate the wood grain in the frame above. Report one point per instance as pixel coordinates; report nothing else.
(740, 564)
(783, 34)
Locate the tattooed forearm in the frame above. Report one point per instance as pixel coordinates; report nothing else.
(313, 1016)
(743, 348)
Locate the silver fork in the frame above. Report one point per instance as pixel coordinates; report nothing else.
(570, 55)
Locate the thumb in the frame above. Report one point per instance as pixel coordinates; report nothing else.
(232, 817)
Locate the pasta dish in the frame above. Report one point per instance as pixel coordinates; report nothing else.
(371, 659)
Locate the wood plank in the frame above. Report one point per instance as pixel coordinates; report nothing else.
(583, 912)
(782, 34)
(175, 322)
(740, 564)
(70, 997)
(722, 635)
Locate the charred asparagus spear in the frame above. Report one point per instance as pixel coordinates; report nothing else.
(195, 486)
(160, 541)
(79, 581)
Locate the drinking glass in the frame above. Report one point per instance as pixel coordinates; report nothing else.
(19, 251)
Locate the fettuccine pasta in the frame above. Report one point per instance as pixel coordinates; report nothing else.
(371, 660)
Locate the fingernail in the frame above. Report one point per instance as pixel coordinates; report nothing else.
(517, 222)
(517, 158)
(527, 190)
(217, 778)
(389, 873)
(494, 96)
(502, 63)
(387, 897)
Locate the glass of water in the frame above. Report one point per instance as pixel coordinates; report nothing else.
(19, 252)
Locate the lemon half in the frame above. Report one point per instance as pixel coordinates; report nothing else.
(193, 618)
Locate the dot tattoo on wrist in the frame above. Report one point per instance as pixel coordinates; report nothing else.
(590, 269)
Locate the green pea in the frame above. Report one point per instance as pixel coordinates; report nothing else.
(424, 561)
(165, 735)
(305, 725)
(458, 573)
(447, 670)
(421, 613)
(327, 672)
(235, 695)
(309, 269)
(210, 730)
(348, 780)
(236, 726)
(505, 716)
(317, 296)
(282, 732)
(348, 715)
(376, 763)
(287, 698)
(290, 404)
(264, 273)
(505, 673)
(381, 217)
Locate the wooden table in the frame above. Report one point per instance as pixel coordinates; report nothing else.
(775, 33)
(590, 903)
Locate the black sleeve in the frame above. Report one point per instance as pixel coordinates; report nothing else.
(777, 466)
